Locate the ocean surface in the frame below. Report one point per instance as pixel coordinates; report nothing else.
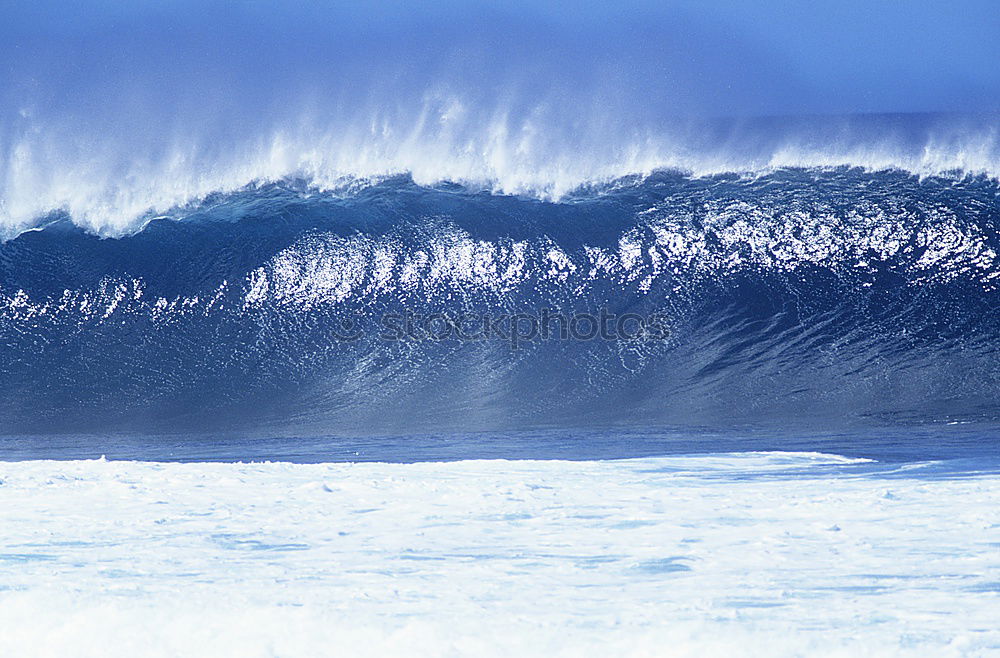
(755, 554)
(666, 414)
(482, 329)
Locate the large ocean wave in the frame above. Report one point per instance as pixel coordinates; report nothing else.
(210, 212)
(804, 297)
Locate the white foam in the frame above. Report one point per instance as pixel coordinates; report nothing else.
(928, 242)
(767, 554)
(111, 184)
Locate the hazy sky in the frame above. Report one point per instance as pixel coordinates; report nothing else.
(876, 55)
(684, 56)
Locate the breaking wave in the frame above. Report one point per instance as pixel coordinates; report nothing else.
(809, 296)
(215, 215)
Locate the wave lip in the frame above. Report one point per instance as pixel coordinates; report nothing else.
(115, 188)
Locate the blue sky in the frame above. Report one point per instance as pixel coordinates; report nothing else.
(880, 55)
(682, 57)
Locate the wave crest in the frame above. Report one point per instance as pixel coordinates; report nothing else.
(113, 188)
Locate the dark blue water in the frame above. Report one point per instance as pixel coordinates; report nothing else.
(955, 449)
(776, 311)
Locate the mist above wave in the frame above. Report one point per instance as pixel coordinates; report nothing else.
(114, 187)
(120, 113)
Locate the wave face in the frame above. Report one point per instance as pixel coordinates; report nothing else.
(800, 297)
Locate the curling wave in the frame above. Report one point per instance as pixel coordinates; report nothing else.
(800, 297)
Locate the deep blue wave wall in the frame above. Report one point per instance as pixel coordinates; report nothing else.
(799, 298)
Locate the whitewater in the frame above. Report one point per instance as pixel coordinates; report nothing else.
(756, 554)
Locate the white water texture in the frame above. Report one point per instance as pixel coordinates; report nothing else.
(767, 554)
